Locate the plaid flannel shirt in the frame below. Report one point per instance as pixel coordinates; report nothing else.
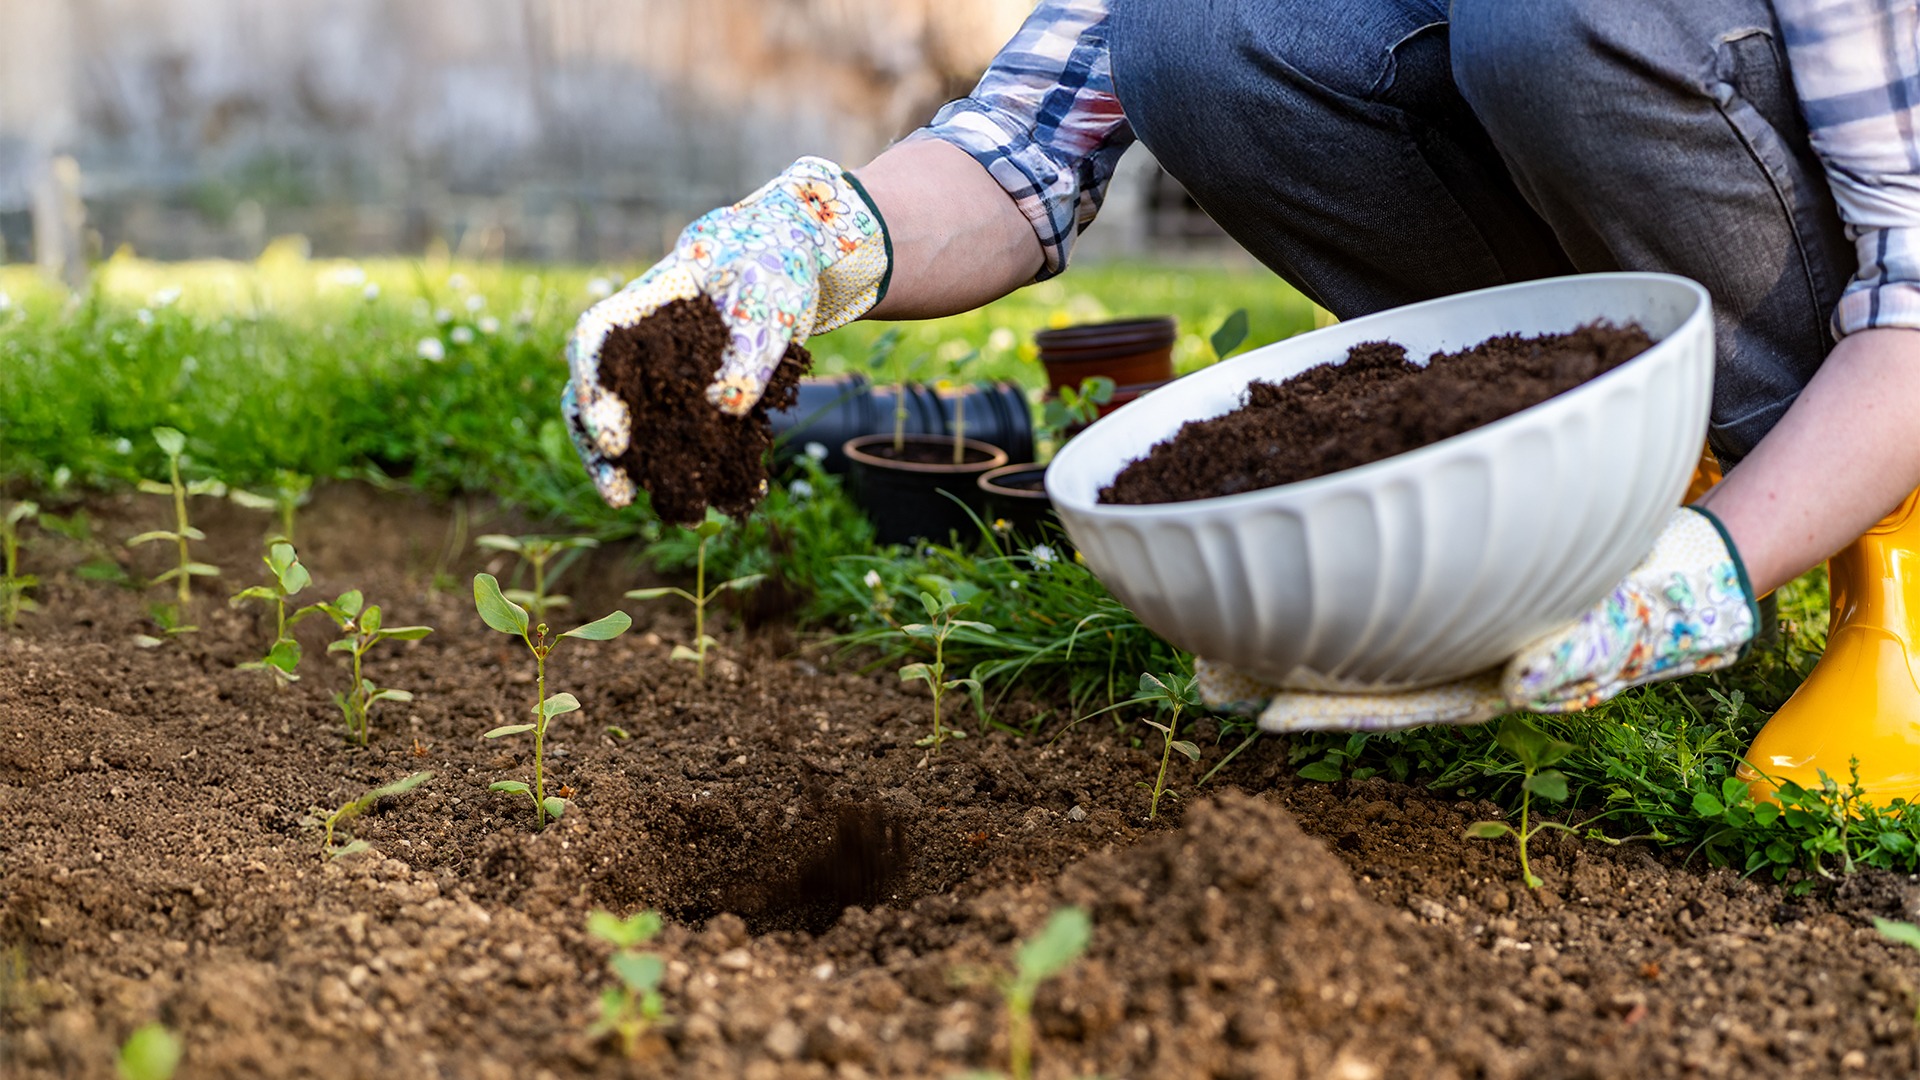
(1045, 122)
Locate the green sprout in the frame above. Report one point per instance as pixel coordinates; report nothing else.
(290, 492)
(1906, 934)
(13, 584)
(361, 628)
(1071, 407)
(353, 808)
(289, 577)
(701, 596)
(960, 409)
(150, 1053)
(1169, 693)
(1535, 750)
(1039, 958)
(629, 1009)
(174, 444)
(508, 617)
(1230, 335)
(939, 626)
(536, 552)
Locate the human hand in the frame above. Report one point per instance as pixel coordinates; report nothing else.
(1686, 608)
(806, 253)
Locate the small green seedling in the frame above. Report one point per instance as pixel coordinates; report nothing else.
(537, 552)
(150, 1053)
(1535, 750)
(1230, 335)
(174, 445)
(1170, 693)
(629, 1009)
(361, 628)
(960, 409)
(1039, 958)
(508, 617)
(1906, 934)
(290, 492)
(353, 808)
(1070, 407)
(14, 585)
(289, 577)
(940, 625)
(701, 596)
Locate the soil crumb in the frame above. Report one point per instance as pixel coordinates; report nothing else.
(685, 453)
(1374, 406)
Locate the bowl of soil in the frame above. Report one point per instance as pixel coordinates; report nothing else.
(916, 489)
(1323, 514)
(1017, 495)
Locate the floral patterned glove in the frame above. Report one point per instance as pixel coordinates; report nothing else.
(1687, 608)
(806, 253)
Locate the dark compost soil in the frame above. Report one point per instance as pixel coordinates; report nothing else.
(687, 454)
(835, 899)
(921, 453)
(1373, 406)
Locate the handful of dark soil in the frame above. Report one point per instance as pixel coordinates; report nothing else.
(1374, 406)
(687, 454)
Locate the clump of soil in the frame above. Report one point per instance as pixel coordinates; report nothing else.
(687, 454)
(1376, 405)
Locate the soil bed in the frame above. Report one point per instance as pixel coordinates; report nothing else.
(1375, 405)
(828, 887)
(685, 452)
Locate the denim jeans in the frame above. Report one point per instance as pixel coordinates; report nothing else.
(1379, 152)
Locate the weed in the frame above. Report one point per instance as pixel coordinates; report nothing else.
(1039, 958)
(701, 596)
(285, 496)
(1170, 693)
(289, 577)
(329, 820)
(13, 584)
(1535, 750)
(150, 1053)
(939, 626)
(1905, 933)
(537, 552)
(361, 628)
(173, 445)
(508, 617)
(629, 1009)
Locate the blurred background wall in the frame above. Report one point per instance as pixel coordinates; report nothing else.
(534, 129)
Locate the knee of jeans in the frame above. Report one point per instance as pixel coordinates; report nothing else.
(1518, 65)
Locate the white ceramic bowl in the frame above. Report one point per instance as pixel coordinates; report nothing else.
(1427, 566)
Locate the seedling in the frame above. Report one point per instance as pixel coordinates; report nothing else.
(629, 1009)
(508, 617)
(701, 596)
(150, 1053)
(1039, 958)
(880, 359)
(940, 624)
(353, 808)
(361, 628)
(1170, 693)
(290, 492)
(174, 444)
(1071, 407)
(289, 577)
(537, 552)
(14, 585)
(1535, 750)
(960, 411)
(1906, 934)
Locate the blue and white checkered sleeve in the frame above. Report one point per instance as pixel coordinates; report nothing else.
(1856, 65)
(1045, 122)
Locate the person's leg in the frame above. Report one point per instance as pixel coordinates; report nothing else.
(1665, 135)
(1329, 141)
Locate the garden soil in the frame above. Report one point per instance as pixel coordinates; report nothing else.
(837, 901)
(687, 454)
(1375, 405)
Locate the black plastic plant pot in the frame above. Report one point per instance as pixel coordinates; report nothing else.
(906, 497)
(1017, 495)
(835, 408)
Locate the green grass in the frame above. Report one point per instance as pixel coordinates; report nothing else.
(287, 364)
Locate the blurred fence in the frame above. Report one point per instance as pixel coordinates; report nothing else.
(579, 129)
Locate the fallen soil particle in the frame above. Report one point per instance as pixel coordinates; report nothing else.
(1375, 405)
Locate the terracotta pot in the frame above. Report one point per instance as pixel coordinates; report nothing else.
(1016, 494)
(1130, 352)
(908, 500)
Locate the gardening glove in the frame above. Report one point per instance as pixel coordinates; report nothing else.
(806, 253)
(1687, 608)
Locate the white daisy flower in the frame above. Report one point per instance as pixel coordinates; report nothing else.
(816, 451)
(1041, 554)
(476, 302)
(144, 317)
(800, 489)
(488, 324)
(166, 297)
(599, 288)
(372, 291)
(872, 579)
(461, 335)
(431, 349)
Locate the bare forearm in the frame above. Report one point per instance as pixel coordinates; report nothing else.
(1842, 458)
(958, 239)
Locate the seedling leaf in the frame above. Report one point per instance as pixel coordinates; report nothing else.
(655, 594)
(555, 805)
(1488, 830)
(1905, 933)
(170, 440)
(635, 929)
(498, 542)
(513, 786)
(1187, 748)
(508, 729)
(1550, 784)
(152, 537)
(404, 633)
(558, 704)
(1230, 334)
(496, 610)
(150, 1053)
(681, 652)
(352, 847)
(640, 972)
(602, 629)
(1057, 944)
